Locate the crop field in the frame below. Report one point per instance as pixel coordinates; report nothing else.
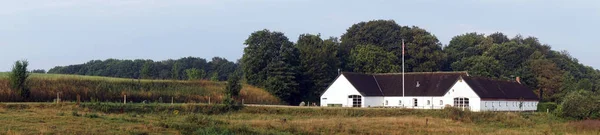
(156, 118)
(46, 87)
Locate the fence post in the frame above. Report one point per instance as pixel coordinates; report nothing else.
(57, 97)
(209, 100)
(242, 101)
(171, 100)
(124, 99)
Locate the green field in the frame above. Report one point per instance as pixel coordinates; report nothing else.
(112, 118)
(45, 87)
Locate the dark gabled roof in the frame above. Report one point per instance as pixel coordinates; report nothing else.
(418, 84)
(390, 84)
(364, 83)
(497, 89)
(435, 84)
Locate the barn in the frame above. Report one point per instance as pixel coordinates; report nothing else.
(428, 90)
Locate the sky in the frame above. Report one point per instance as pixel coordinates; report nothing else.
(51, 33)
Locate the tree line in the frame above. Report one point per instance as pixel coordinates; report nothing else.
(301, 71)
(187, 68)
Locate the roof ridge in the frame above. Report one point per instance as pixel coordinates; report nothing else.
(437, 72)
(493, 79)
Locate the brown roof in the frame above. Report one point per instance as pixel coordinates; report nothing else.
(497, 89)
(434, 84)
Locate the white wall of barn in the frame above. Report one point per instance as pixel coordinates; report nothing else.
(338, 93)
(409, 102)
(462, 90)
(508, 105)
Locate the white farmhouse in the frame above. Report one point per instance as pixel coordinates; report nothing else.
(429, 90)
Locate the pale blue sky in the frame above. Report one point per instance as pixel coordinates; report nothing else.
(52, 32)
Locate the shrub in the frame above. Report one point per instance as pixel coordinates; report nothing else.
(542, 107)
(579, 105)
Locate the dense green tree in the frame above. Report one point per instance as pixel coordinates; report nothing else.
(147, 70)
(466, 45)
(282, 80)
(18, 78)
(318, 64)
(498, 38)
(479, 66)
(176, 70)
(372, 59)
(261, 48)
(511, 55)
(195, 74)
(423, 50)
(222, 67)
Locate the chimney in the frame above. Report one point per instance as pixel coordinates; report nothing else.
(518, 79)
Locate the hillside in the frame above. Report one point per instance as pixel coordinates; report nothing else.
(45, 86)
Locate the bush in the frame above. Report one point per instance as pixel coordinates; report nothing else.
(579, 105)
(542, 107)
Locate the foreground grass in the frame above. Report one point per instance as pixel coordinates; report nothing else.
(91, 118)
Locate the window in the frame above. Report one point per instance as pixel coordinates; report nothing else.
(415, 101)
(461, 102)
(428, 102)
(356, 100)
(399, 102)
(386, 102)
(441, 102)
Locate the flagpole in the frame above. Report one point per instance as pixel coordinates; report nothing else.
(402, 67)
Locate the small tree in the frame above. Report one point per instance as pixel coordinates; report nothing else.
(233, 85)
(18, 78)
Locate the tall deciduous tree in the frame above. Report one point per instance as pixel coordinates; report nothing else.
(261, 48)
(373, 59)
(18, 78)
(479, 66)
(147, 70)
(282, 78)
(176, 70)
(423, 50)
(318, 64)
(466, 45)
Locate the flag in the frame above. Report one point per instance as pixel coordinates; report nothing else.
(402, 47)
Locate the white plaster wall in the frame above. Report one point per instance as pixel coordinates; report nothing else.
(372, 101)
(508, 105)
(408, 102)
(462, 89)
(338, 93)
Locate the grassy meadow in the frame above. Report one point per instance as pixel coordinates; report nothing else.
(44, 88)
(114, 118)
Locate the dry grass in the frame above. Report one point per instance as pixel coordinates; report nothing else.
(35, 118)
(60, 120)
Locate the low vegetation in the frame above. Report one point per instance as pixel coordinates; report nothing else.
(45, 87)
(115, 118)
